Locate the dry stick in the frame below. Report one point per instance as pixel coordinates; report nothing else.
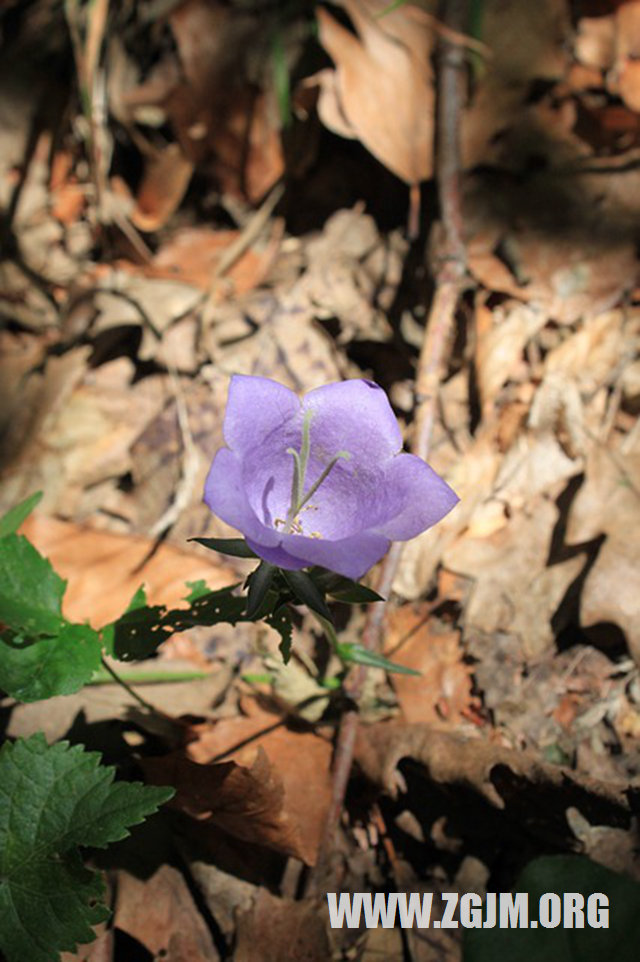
(450, 265)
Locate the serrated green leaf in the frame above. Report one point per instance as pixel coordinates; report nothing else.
(54, 799)
(360, 655)
(304, 590)
(259, 583)
(11, 521)
(139, 599)
(236, 547)
(137, 634)
(199, 589)
(577, 875)
(30, 590)
(280, 621)
(33, 670)
(107, 633)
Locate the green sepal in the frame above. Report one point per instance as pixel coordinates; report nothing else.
(259, 582)
(358, 654)
(236, 547)
(343, 589)
(306, 591)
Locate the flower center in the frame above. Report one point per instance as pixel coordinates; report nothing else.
(300, 498)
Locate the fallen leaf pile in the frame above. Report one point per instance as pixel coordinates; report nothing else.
(219, 188)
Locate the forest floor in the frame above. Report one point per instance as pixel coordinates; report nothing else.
(205, 214)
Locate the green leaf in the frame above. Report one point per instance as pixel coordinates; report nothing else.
(138, 633)
(280, 620)
(107, 633)
(31, 670)
(304, 589)
(11, 521)
(237, 547)
(559, 874)
(259, 583)
(350, 652)
(30, 590)
(199, 589)
(54, 799)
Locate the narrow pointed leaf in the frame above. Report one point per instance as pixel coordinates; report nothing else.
(362, 656)
(236, 547)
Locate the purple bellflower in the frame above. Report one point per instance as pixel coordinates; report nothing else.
(322, 480)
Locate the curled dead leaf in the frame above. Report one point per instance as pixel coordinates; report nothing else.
(452, 759)
(382, 90)
(274, 789)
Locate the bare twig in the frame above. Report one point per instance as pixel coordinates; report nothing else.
(449, 270)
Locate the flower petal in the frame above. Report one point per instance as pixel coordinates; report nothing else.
(421, 497)
(224, 493)
(256, 407)
(351, 557)
(354, 416)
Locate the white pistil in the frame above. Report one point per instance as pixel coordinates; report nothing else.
(299, 499)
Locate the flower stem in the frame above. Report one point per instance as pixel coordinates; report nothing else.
(127, 687)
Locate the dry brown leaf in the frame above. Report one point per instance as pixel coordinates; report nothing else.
(591, 355)
(161, 914)
(245, 798)
(452, 759)
(164, 183)
(501, 342)
(288, 346)
(33, 409)
(625, 76)
(562, 255)
(103, 568)
(281, 929)
(383, 83)
(219, 111)
(193, 253)
(124, 295)
(594, 43)
(78, 435)
(442, 693)
(609, 503)
(616, 848)
(298, 763)
(514, 589)
(472, 477)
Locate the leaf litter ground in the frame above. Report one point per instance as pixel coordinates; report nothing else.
(129, 300)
